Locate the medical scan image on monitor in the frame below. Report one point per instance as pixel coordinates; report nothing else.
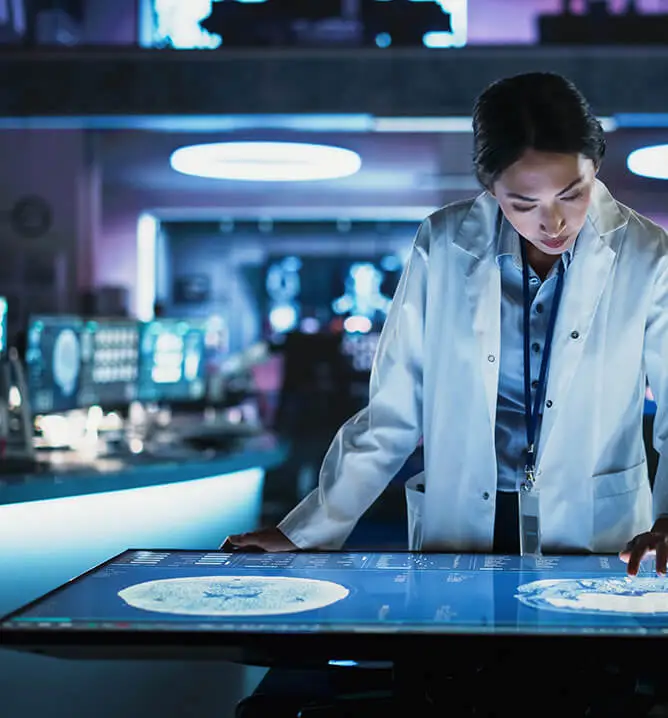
(598, 595)
(354, 593)
(53, 363)
(110, 362)
(233, 595)
(172, 366)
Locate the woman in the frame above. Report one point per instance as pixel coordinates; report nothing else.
(527, 317)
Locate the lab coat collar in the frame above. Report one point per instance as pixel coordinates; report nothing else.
(604, 212)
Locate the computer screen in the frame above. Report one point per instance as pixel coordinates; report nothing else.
(3, 325)
(53, 363)
(110, 362)
(356, 594)
(172, 360)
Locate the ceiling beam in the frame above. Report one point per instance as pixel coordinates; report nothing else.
(388, 83)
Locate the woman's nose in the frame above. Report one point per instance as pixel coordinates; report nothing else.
(552, 225)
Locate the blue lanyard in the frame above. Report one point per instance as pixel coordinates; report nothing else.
(532, 416)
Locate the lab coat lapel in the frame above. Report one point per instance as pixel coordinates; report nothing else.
(585, 282)
(483, 290)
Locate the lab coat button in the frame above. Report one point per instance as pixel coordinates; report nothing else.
(575, 334)
(491, 358)
(486, 495)
(548, 403)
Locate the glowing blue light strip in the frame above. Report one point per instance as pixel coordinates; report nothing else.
(196, 123)
(642, 119)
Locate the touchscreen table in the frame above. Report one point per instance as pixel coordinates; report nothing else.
(149, 597)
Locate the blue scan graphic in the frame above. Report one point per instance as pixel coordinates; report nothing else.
(619, 595)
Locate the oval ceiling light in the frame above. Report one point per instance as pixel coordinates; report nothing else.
(266, 161)
(649, 162)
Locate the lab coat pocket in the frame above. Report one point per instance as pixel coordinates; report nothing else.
(415, 488)
(622, 507)
(619, 482)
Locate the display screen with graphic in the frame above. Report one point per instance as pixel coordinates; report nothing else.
(312, 289)
(109, 362)
(53, 363)
(172, 360)
(210, 24)
(334, 593)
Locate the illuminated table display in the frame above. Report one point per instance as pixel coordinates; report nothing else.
(355, 596)
(233, 595)
(472, 617)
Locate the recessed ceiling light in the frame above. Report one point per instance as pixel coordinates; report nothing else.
(649, 162)
(266, 161)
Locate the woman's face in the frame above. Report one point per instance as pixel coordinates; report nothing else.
(545, 196)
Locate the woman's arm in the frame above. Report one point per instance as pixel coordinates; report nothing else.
(372, 446)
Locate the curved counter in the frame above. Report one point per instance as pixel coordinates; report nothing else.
(62, 474)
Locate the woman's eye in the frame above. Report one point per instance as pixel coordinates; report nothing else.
(572, 197)
(522, 208)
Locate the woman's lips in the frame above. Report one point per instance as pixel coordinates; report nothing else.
(554, 243)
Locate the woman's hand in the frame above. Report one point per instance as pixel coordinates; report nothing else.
(272, 540)
(654, 541)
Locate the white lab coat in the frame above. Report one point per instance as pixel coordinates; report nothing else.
(436, 372)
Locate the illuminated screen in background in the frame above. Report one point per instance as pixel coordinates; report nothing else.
(210, 24)
(172, 360)
(53, 363)
(299, 288)
(109, 362)
(390, 593)
(323, 294)
(3, 325)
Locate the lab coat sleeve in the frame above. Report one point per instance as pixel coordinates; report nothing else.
(656, 364)
(370, 448)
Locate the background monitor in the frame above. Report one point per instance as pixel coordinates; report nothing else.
(172, 361)
(110, 362)
(53, 363)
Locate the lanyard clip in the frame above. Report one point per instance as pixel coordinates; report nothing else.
(529, 477)
(529, 470)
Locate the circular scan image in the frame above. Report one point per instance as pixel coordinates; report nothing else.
(648, 596)
(66, 357)
(233, 595)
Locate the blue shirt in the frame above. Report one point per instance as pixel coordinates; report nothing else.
(510, 431)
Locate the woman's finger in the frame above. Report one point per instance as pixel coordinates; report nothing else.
(640, 550)
(661, 556)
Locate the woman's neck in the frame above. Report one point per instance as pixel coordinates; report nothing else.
(540, 262)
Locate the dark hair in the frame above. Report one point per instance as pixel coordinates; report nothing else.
(539, 110)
